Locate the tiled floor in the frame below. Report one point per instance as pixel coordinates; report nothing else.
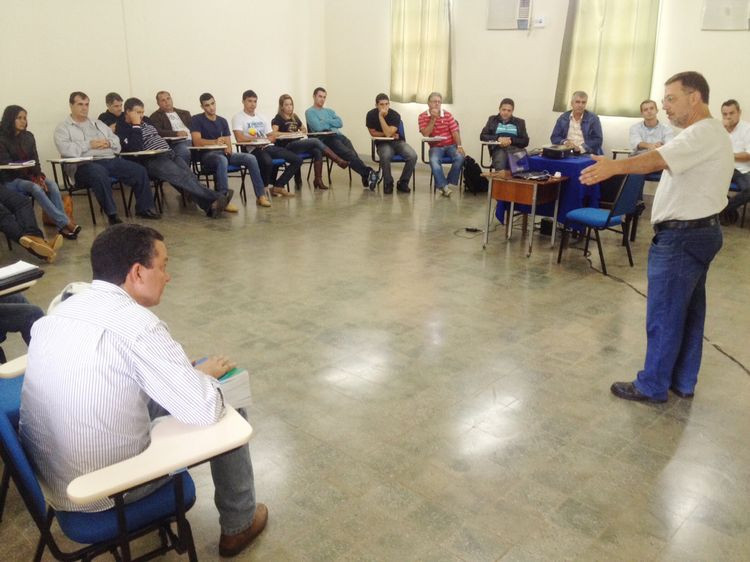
(418, 398)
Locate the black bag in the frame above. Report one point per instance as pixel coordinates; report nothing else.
(473, 180)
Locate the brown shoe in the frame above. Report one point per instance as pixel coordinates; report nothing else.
(39, 247)
(281, 192)
(232, 545)
(263, 201)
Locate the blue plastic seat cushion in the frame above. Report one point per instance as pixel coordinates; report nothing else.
(591, 216)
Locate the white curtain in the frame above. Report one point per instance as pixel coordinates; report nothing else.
(420, 50)
(608, 52)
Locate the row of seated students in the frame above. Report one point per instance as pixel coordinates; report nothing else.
(124, 128)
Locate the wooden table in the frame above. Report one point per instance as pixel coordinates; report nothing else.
(504, 187)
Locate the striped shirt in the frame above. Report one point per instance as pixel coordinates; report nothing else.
(445, 126)
(94, 365)
(151, 139)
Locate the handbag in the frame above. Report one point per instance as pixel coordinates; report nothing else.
(67, 201)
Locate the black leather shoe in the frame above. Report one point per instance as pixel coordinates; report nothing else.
(628, 391)
(114, 219)
(403, 187)
(388, 188)
(682, 394)
(148, 214)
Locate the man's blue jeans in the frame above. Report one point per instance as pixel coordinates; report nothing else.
(50, 201)
(217, 162)
(436, 158)
(678, 262)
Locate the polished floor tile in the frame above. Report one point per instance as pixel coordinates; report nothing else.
(419, 398)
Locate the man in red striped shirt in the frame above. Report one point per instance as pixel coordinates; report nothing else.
(436, 122)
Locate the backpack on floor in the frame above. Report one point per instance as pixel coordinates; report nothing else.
(473, 180)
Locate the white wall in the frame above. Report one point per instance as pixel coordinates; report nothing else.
(137, 47)
(492, 64)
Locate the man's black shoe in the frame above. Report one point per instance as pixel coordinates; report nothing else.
(388, 188)
(628, 391)
(403, 187)
(148, 214)
(682, 394)
(728, 216)
(114, 219)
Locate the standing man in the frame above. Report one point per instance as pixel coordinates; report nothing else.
(739, 133)
(208, 129)
(80, 416)
(248, 126)
(78, 136)
(383, 122)
(320, 119)
(506, 129)
(578, 128)
(113, 100)
(172, 122)
(136, 133)
(436, 122)
(697, 166)
(649, 134)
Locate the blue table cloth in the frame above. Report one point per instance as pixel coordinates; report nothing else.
(573, 194)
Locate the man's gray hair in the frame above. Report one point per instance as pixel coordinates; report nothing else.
(435, 95)
(579, 94)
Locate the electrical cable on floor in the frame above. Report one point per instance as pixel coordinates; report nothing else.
(716, 346)
(473, 231)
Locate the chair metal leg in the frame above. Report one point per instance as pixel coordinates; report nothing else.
(588, 238)
(7, 239)
(124, 200)
(4, 485)
(309, 169)
(563, 241)
(91, 205)
(626, 237)
(601, 253)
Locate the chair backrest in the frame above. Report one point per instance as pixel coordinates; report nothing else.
(627, 198)
(15, 458)
(401, 134)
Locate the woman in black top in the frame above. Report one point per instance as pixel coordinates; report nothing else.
(18, 145)
(286, 121)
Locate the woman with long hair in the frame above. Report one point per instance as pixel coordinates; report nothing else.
(286, 121)
(18, 145)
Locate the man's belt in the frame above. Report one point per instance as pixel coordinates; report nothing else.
(713, 220)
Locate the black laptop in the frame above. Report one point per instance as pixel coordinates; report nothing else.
(519, 167)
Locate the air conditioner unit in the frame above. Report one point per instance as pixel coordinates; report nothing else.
(508, 14)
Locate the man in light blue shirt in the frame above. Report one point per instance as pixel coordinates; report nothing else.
(321, 119)
(649, 134)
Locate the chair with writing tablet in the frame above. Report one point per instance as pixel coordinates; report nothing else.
(397, 158)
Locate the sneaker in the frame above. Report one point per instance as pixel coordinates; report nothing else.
(446, 191)
(403, 187)
(217, 207)
(372, 179)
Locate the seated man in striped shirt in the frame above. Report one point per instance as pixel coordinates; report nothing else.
(436, 122)
(81, 415)
(137, 133)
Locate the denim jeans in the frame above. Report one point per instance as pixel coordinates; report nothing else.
(171, 168)
(386, 150)
(16, 215)
(678, 262)
(436, 157)
(311, 146)
(50, 201)
(743, 195)
(218, 162)
(265, 157)
(182, 149)
(234, 484)
(98, 175)
(343, 147)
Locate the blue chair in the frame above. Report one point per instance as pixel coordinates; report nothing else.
(733, 187)
(10, 404)
(104, 531)
(210, 175)
(603, 219)
(445, 161)
(397, 158)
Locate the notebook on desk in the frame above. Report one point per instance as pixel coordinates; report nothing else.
(519, 167)
(17, 274)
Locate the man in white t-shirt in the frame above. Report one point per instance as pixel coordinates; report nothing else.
(171, 122)
(649, 134)
(248, 126)
(739, 133)
(697, 167)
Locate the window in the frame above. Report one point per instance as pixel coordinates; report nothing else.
(608, 52)
(420, 49)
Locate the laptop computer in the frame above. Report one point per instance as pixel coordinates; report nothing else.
(519, 167)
